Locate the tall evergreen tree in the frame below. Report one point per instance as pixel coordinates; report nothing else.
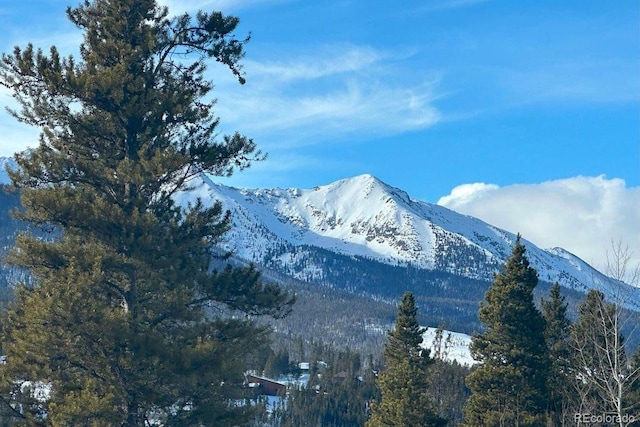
(556, 332)
(127, 322)
(404, 385)
(509, 386)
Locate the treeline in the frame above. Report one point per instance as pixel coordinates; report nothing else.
(535, 367)
(126, 319)
(338, 392)
(374, 279)
(341, 384)
(538, 368)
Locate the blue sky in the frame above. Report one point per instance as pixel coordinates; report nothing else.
(524, 113)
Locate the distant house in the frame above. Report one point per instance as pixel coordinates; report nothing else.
(266, 386)
(303, 366)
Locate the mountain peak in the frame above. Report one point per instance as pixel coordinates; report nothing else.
(370, 184)
(364, 186)
(363, 181)
(364, 217)
(364, 178)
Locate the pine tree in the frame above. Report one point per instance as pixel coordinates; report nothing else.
(128, 321)
(556, 332)
(606, 376)
(404, 385)
(509, 386)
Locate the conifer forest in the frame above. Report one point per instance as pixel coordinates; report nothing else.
(120, 306)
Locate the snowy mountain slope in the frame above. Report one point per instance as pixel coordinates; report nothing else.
(365, 217)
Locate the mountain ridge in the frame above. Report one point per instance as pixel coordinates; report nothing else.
(365, 217)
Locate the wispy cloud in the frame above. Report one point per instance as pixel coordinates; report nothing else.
(339, 91)
(342, 92)
(328, 61)
(581, 214)
(366, 109)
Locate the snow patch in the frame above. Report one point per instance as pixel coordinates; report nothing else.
(455, 346)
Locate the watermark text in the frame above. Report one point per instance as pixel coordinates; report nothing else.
(607, 418)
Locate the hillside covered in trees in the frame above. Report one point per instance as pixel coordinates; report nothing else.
(124, 311)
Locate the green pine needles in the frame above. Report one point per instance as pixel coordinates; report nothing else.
(126, 324)
(404, 385)
(510, 385)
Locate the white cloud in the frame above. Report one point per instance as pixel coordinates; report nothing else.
(583, 215)
(341, 91)
(356, 108)
(338, 92)
(465, 194)
(329, 61)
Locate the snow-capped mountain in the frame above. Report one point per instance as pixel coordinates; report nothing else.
(364, 217)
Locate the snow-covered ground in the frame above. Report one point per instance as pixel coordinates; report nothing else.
(455, 346)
